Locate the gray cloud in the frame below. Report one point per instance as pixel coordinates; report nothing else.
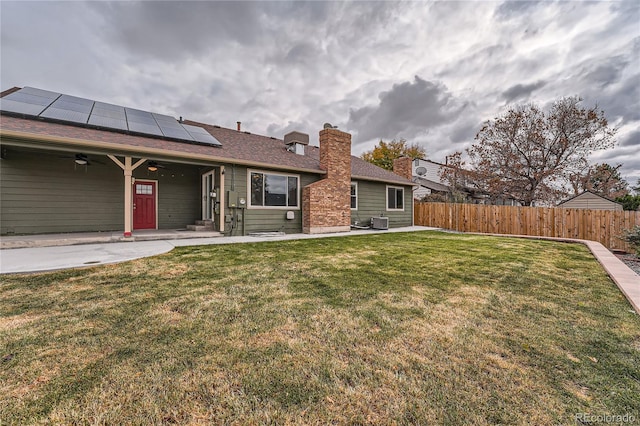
(522, 91)
(465, 131)
(403, 110)
(510, 9)
(170, 31)
(633, 139)
(607, 74)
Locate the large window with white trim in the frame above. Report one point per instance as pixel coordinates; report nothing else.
(273, 190)
(354, 196)
(395, 198)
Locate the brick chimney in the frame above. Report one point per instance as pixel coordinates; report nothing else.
(402, 167)
(326, 204)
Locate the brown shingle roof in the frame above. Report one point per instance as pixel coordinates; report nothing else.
(431, 184)
(364, 170)
(237, 147)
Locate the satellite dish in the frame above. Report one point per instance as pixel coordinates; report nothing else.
(421, 171)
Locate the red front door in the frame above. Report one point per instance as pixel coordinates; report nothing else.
(144, 205)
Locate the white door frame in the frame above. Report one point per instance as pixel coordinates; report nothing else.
(133, 192)
(208, 201)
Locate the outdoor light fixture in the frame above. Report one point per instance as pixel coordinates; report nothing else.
(81, 160)
(152, 166)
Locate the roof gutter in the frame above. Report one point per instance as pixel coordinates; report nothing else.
(133, 149)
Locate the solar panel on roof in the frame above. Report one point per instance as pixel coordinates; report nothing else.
(145, 128)
(28, 99)
(110, 113)
(194, 129)
(111, 107)
(76, 100)
(108, 122)
(20, 107)
(141, 119)
(43, 103)
(201, 135)
(71, 106)
(65, 115)
(165, 118)
(139, 113)
(208, 139)
(174, 125)
(173, 132)
(39, 92)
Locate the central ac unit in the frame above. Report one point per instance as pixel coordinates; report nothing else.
(380, 222)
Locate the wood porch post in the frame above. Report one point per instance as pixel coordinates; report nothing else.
(128, 197)
(128, 169)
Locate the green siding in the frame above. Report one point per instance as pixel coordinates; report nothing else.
(262, 219)
(372, 203)
(179, 194)
(40, 192)
(45, 192)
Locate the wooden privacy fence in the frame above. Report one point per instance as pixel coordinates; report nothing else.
(605, 226)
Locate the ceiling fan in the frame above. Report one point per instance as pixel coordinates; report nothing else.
(82, 160)
(153, 166)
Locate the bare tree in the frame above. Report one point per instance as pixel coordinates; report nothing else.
(603, 179)
(530, 155)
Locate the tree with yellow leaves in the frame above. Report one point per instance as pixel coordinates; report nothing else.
(384, 153)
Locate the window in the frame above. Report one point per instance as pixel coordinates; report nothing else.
(354, 196)
(273, 190)
(142, 189)
(395, 198)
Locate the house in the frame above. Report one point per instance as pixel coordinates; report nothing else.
(71, 164)
(590, 201)
(427, 175)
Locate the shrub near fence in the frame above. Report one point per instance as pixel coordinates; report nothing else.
(605, 226)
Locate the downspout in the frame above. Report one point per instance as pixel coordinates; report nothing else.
(221, 196)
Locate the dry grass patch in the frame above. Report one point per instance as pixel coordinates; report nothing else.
(421, 328)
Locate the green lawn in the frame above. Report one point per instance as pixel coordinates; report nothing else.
(406, 328)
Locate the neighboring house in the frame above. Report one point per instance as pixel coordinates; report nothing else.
(71, 165)
(427, 175)
(590, 201)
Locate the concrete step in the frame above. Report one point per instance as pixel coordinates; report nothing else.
(204, 222)
(200, 227)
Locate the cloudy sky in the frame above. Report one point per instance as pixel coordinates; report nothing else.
(429, 72)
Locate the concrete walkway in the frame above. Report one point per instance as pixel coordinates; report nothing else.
(39, 259)
(69, 239)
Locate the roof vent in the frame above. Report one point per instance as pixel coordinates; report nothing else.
(296, 141)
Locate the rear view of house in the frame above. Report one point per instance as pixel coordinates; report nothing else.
(72, 164)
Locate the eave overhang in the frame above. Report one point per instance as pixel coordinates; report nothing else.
(35, 140)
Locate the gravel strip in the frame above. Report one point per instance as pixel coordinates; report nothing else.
(631, 261)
